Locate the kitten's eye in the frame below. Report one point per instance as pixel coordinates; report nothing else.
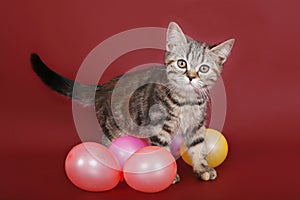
(181, 63)
(204, 68)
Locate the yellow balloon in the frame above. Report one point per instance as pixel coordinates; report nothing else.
(184, 154)
(217, 149)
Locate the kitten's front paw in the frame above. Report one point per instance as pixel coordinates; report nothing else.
(206, 173)
(176, 179)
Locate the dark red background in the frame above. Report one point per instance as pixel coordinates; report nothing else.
(261, 79)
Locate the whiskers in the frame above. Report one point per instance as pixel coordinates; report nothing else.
(170, 89)
(203, 92)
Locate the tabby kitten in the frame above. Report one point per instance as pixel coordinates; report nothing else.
(173, 99)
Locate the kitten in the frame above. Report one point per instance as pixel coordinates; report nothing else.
(174, 100)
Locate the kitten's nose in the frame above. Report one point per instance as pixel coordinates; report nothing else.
(191, 75)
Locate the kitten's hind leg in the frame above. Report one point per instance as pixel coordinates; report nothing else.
(176, 179)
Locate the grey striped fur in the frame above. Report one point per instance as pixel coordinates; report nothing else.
(160, 102)
(171, 103)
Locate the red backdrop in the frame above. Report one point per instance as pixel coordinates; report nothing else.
(261, 80)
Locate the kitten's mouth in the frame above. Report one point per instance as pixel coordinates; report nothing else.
(190, 87)
(190, 84)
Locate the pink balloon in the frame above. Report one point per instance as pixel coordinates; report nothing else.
(91, 166)
(175, 146)
(150, 169)
(123, 147)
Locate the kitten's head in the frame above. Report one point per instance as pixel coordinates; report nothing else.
(193, 66)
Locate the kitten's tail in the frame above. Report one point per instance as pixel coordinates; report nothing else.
(61, 84)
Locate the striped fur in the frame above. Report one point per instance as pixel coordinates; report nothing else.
(171, 100)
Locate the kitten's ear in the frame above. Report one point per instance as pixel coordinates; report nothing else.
(222, 50)
(175, 37)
